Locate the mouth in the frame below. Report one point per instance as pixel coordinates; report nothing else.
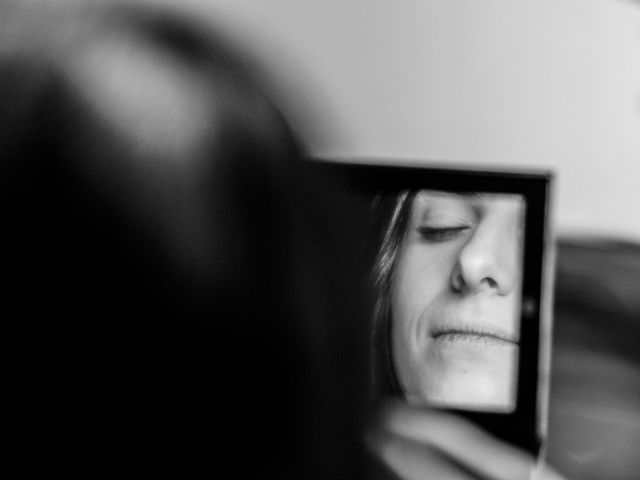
(471, 334)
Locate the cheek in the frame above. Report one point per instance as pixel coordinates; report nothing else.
(422, 275)
(419, 285)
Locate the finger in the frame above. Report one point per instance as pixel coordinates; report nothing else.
(411, 460)
(458, 438)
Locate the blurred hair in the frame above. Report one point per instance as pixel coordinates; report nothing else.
(183, 302)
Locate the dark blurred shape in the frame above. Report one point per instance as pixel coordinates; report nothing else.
(595, 388)
(180, 297)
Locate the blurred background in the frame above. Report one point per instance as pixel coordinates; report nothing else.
(551, 84)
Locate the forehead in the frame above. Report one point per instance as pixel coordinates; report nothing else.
(477, 200)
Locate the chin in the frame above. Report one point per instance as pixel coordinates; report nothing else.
(471, 379)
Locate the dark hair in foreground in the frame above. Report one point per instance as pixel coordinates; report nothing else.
(182, 300)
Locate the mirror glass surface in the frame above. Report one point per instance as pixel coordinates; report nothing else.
(448, 273)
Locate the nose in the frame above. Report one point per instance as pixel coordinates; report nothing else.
(488, 261)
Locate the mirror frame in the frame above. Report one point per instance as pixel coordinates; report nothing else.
(526, 426)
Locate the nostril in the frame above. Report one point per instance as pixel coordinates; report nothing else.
(491, 283)
(457, 282)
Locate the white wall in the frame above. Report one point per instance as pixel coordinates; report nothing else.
(548, 83)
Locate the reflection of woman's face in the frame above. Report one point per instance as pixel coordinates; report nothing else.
(455, 299)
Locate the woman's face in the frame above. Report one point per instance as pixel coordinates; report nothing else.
(455, 299)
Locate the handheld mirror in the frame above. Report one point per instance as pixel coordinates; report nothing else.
(459, 269)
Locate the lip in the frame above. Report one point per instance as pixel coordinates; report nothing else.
(454, 337)
(467, 332)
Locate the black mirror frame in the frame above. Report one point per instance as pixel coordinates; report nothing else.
(526, 425)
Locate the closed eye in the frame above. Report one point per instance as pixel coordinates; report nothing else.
(441, 234)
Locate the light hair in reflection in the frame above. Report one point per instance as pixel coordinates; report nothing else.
(448, 278)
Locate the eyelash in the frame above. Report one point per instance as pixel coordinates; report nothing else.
(440, 234)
